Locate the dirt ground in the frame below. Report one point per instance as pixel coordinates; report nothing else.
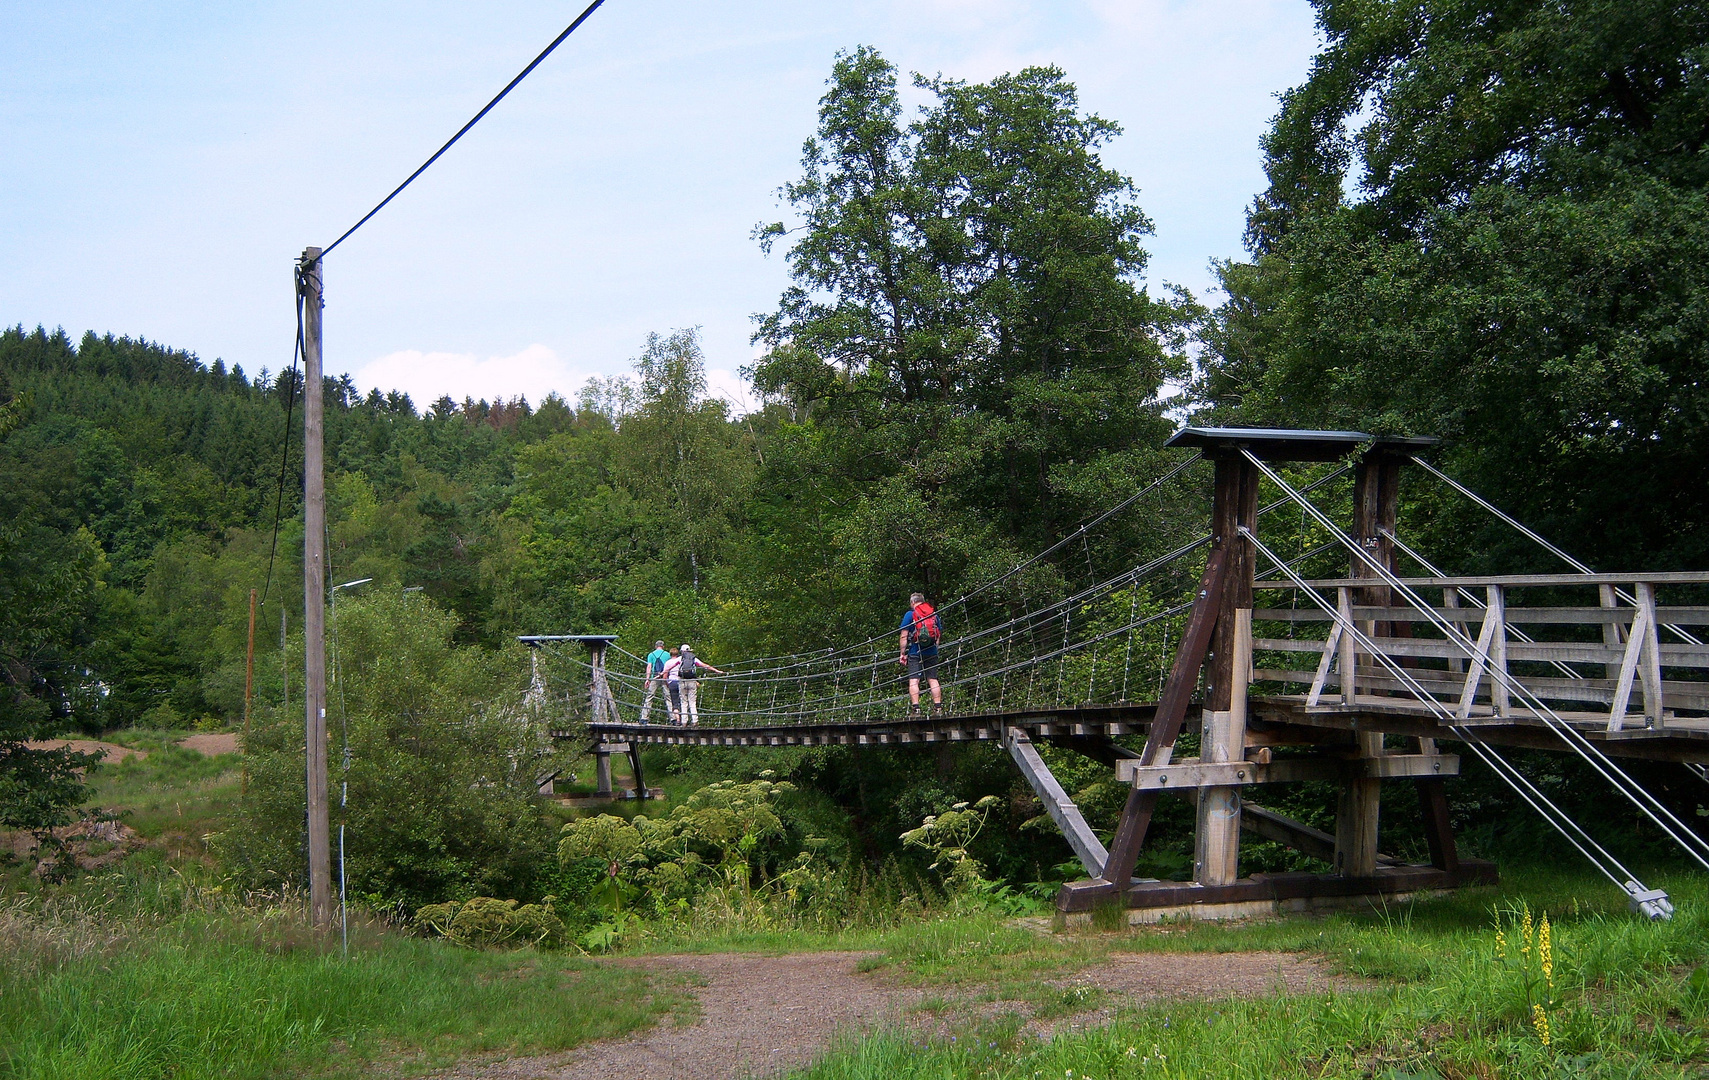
(763, 1015)
(110, 751)
(212, 743)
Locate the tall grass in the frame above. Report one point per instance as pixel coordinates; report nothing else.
(227, 990)
(1440, 1004)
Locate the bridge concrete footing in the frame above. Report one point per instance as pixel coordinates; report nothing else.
(1250, 909)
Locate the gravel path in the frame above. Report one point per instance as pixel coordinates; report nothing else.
(763, 1015)
(759, 1016)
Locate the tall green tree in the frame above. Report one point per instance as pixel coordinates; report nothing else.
(1485, 220)
(966, 349)
(49, 574)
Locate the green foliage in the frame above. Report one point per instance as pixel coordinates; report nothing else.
(49, 580)
(485, 921)
(442, 764)
(722, 836)
(964, 351)
(949, 836)
(1483, 222)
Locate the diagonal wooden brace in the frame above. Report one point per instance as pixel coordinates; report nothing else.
(1087, 847)
(1165, 726)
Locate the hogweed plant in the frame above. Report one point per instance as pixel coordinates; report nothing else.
(948, 836)
(1530, 960)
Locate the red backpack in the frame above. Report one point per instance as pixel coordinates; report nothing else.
(926, 630)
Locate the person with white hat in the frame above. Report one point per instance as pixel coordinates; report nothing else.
(688, 668)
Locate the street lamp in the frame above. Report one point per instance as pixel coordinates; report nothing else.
(344, 787)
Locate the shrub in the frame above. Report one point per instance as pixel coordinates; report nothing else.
(487, 922)
(441, 769)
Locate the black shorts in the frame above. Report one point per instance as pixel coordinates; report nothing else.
(923, 665)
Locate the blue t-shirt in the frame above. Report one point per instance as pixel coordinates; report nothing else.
(929, 647)
(656, 661)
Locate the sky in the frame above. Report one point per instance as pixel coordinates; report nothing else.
(165, 163)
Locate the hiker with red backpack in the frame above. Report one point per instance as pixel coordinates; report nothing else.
(918, 646)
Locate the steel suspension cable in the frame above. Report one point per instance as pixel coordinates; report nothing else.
(1694, 845)
(1521, 784)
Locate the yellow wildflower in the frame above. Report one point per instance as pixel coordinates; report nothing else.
(1500, 945)
(1525, 928)
(1540, 1021)
(1546, 955)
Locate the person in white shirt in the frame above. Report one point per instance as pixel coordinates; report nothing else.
(688, 669)
(673, 686)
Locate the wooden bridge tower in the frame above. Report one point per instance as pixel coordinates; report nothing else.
(1237, 753)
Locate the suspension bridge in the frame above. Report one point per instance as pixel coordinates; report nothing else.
(1279, 677)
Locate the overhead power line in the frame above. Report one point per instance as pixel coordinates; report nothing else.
(511, 85)
(285, 452)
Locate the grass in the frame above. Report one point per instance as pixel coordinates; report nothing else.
(172, 791)
(231, 990)
(151, 971)
(1440, 1004)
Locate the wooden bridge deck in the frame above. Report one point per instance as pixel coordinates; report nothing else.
(1274, 720)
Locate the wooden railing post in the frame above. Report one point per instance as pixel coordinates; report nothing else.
(1497, 615)
(1641, 661)
(1348, 661)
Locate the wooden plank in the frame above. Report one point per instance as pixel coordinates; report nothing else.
(1679, 694)
(1518, 581)
(1385, 880)
(1522, 616)
(1649, 665)
(1284, 770)
(1633, 653)
(1087, 847)
(1285, 830)
(1584, 652)
(1189, 774)
(1320, 678)
(1347, 656)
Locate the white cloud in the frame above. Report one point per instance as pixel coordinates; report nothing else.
(733, 389)
(425, 376)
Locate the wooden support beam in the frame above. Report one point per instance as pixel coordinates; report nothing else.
(1284, 830)
(602, 773)
(635, 765)
(1216, 847)
(1057, 804)
(1194, 773)
(1166, 725)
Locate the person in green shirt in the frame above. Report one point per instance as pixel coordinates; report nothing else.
(656, 661)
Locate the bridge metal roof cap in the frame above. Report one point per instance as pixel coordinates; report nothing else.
(1271, 444)
(534, 641)
(1401, 446)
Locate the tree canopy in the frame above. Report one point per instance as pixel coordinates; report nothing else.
(1485, 221)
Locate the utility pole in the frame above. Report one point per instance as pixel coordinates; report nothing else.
(314, 594)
